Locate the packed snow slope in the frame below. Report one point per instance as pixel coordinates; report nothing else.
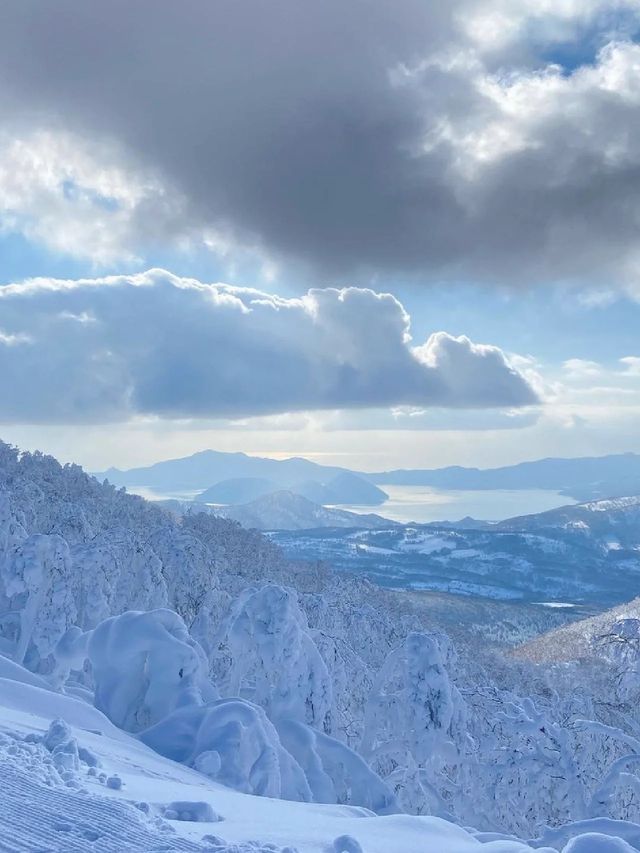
(71, 781)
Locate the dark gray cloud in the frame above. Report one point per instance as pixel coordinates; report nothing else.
(290, 125)
(155, 344)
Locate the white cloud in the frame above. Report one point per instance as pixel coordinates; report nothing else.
(477, 373)
(156, 344)
(631, 365)
(86, 201)
(579, 368)
(11, 340)
(495, 24)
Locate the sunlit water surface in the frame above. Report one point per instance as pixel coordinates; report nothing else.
(423, 504)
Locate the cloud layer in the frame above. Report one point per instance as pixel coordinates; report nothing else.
(409, 136)
(154, 344)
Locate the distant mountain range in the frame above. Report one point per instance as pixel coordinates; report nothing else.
(586, 554)
(237, 477)
(584, 478)
(231, 478)
(203, 470)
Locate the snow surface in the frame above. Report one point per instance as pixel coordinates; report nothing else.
(43, 810)
(71, 781)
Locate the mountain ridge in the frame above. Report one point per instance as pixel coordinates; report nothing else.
(583, 478)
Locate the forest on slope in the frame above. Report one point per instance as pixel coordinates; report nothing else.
(334, 691)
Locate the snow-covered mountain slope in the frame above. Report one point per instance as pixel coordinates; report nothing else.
(71, 781)
(590, 556)
(579, 640)
(613, 523)
(285, 510)
(269, 676)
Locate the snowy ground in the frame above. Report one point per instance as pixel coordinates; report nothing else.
(105, 791)
(48, 805)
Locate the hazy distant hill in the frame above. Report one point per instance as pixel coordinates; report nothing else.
(346, 488)
(588, 478)
(584, 478)
(202, 470)
(237, 490)
(227, 478)
(287, 511)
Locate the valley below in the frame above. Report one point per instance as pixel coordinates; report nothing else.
(554, 558)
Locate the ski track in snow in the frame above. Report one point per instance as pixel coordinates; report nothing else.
(38, 818)
(70, 820)
(42, 812)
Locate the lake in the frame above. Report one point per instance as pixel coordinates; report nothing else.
(424, 504)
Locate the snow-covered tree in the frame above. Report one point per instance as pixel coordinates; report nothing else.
(38, 581)
(192, 580)
(335, 773)
(414, 726)
(233, 742)
(275, 661)
(621, 647)
(144, 666)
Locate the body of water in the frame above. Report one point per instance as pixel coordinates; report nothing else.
(424, 504)
(154, 495)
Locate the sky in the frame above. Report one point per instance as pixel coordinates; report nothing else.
(374, 234)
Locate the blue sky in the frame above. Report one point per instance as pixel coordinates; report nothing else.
(478, 161)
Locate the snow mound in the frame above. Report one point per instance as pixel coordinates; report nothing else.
(197, 812)
(595, 842)
(346, 844)
(233, 742)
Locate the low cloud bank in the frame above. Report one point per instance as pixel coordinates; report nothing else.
(154, 344)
